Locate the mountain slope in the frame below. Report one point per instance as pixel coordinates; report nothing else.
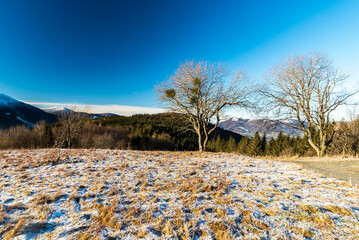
(58, 111)
(249, 127)
(14, 112)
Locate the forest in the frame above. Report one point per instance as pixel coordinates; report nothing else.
(165, 131)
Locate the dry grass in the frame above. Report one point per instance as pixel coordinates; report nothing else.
(220, 230)
(99, 194)
(3, 214)
(42, 199)
(14, 231)
(339, 210)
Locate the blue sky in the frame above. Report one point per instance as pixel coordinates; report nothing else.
(114, 52)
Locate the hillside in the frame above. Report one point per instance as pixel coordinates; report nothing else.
(171, 128)
(14, 112)
(248, 127)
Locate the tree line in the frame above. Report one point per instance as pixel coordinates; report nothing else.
(167, 131)
(345, 143)
(283, 145)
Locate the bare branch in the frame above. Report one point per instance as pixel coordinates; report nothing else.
(309, 89)
(202, 92)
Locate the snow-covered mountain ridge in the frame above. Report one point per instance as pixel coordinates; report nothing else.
(248, 127)
(14, 113)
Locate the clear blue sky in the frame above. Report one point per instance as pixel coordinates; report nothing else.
(114, 52)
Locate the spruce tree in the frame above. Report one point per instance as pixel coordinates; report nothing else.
(279, 144)
(254, 148)
(47, 137)
(263, 143)
(219, 144)
(231, 145)
(211, 145)
(270, 147)
(243, 145)
(303, 145)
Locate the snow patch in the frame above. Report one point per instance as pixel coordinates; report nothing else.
(243, 129)
(24, 121)
(56, 109)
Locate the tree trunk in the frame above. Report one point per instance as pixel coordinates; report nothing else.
(322, 152)
(323, 149)
(314, 146)
(205, 143)
(200, 146)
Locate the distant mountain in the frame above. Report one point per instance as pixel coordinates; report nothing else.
(101, 115)
(60, 110)
(14, 112)
(248, 127)
(57, 110)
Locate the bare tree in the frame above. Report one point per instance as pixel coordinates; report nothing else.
(308, 88)
(71, 122)
(202, 91)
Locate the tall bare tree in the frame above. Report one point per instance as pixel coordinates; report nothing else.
(71, 123)
(202, 91)
(308, 88)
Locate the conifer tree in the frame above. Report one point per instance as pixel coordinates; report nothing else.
(303, 145)
(270, 147)
(279, 144)
(47, 137)
(211, 146)
(243, 145)
(219, 144)
(231, 145)
(263, 143)
(254, 148)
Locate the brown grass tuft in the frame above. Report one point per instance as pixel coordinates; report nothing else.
(21, 222)
(338, 210)
(220, 230)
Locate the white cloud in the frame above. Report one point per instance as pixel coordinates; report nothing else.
(117, 109)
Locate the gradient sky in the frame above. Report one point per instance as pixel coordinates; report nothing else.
(114, 52)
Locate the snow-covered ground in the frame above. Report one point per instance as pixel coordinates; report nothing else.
(108, 194)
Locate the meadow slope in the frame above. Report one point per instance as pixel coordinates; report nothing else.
(109, 194)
